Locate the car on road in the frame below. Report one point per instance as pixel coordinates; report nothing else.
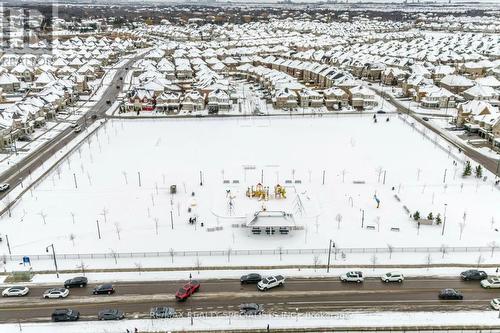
(79, 281)
(392, 277)
(73, 124)
(56, 293)
(4, 187)
(65, 315)
(187, 290)
(495, 303)
(250, 278)
(491, 283)
(251, 309)
(381, 111)
(352, 276)
(473, 275)
(117, 87)
(450, 294)
(271, 282)
(108, 102)
(110, 314)
(425, 118)
(162, 312)
(25, 138)
(15, 291)
(103, 289)
(77, 129)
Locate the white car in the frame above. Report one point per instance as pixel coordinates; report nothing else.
(491, 283)
(73, 124)
(495, 303)
(77, 129)
(392, 277)
(56, 293)
(271, 282)
(15, 291)
(4, 187)
(353, 276)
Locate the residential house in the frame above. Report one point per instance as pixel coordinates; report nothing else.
(285, 98)
(456, 83)
(335, 98)
(309, 97)
(362, 98)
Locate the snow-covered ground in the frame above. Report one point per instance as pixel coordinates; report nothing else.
(360, 159)
(275, 321)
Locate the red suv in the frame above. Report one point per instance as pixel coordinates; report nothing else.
(187, 290)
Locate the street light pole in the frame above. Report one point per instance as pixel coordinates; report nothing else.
(329, 254)
(362, 218)
(444, 219)
(54, 256)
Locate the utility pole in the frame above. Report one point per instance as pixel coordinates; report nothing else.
(444, 177)
(362, 218)
(172, 220)
(54, 256)
(201, 178)
(329, 255)
(98, 229)
(8, 244)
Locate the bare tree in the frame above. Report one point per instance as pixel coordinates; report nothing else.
(379, 171)
(374, 260)
(124, 173)
(72, 238)
(280, 250)
(343, 172)
(171, 252)
(338, 218)
(229, 254)
(443, 249)
(8, 204)
(390, 248)
(73, 217)
(316, 224)
(43, 215)
(156, 225)
(114, 255)
(493, 245)
(479, 260)
(82, 267)
(104, 213)
(461, 226)
(377, 221)
(138, 266)
(118, 230)
(428, 260)
(316, 262)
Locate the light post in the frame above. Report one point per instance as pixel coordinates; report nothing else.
(362, 218)
(444, 219)
(54, 256)
(330, 245)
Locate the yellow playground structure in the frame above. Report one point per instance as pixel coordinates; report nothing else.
(261, 192)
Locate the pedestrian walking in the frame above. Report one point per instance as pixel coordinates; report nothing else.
(136, 330)
(268, 327)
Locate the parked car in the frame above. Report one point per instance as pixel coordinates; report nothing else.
(25, 138)
(271, 282)
(15, 291)
(450, 294)
(250, 278)
(353, 276)
(392, 277)
(425, 118)
(473, 274)
(162, 312)
(4, 187)
(187, 290)
(79, 281)
(251, 309)
(65, 315)
(56, 293)
(495, 303)
(103, 289)
(77, 129)
(491, 283)
(110, 314)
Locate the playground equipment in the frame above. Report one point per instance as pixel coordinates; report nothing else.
(261, 192)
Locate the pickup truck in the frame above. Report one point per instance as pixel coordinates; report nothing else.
(271, 282)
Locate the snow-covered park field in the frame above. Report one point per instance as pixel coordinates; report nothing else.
(120, 180)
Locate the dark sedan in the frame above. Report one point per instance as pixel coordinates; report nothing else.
(450, 294)
(250, 278)
(103, 289)
(251, 309)
(79, 281)
(65, 315)
(162, 312)
(473, 275)
(110, 314)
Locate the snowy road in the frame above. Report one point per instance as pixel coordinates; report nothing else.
(224, 296)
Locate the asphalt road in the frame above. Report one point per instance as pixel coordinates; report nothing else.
(223, 296)
(21, 170)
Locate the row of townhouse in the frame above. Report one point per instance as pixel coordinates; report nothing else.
(22, 117)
